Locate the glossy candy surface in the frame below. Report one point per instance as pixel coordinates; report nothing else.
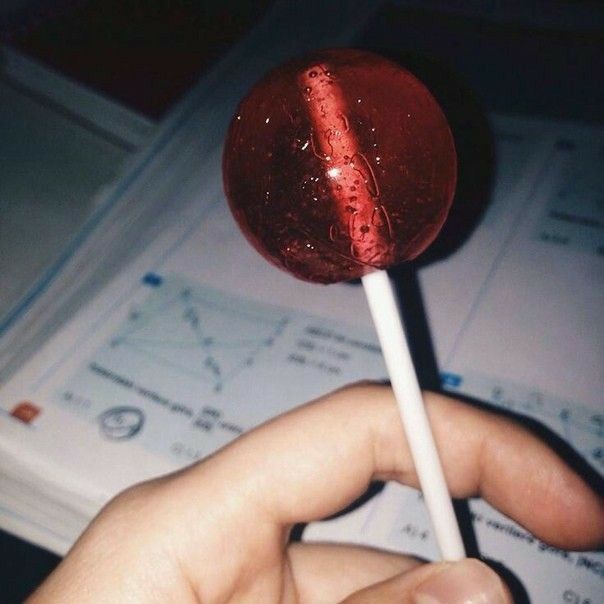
(338, 164)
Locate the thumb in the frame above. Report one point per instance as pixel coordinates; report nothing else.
(466, 582)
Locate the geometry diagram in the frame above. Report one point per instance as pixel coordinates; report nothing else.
(201, 332)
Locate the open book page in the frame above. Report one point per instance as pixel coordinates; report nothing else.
(529, 295)
(515, 316)
(200, 338)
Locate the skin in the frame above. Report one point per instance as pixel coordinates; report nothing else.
(218, 530)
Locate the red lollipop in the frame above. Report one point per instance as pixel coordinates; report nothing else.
(338, 164)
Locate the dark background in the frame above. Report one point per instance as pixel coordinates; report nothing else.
(541, 59)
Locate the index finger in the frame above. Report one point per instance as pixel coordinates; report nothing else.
(313, 461)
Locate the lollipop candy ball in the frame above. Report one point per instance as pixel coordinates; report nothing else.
(338, 164)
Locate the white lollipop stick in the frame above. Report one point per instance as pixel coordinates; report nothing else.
(389, 327)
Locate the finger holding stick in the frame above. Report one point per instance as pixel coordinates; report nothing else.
(218, 531)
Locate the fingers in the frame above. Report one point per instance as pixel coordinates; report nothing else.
(355, 575)
(313, 461)
(329, 573)
(517, 473)
(465, 582)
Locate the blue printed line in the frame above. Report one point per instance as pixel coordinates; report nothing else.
(153, 279)
(451, 380)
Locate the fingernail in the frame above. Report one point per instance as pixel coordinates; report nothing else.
(465, 582)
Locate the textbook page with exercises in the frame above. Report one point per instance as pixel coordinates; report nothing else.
(515, 316)
(199, 339)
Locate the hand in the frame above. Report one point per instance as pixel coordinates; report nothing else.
(218, 531)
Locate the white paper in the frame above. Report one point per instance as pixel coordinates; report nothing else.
(199, 338)
(516, 320)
